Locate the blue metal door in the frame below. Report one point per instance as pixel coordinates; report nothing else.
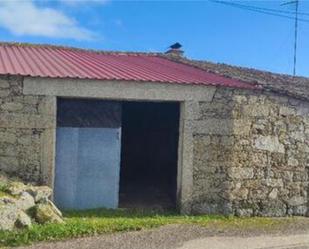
(87, 166)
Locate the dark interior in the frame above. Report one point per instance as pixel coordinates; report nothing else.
(149, 155)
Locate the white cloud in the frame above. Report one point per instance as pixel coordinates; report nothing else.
(26, 18)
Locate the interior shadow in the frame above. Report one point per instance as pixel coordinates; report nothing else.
(148, 175)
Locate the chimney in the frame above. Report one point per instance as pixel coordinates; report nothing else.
(175, 50)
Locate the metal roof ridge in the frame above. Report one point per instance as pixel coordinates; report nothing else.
(71, 48)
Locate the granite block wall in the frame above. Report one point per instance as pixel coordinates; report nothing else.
(252, 156)
(23, 119)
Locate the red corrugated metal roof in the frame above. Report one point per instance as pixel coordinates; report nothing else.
(61, 62)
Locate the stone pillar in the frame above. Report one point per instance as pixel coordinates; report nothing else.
(188, 113)
(48, 141)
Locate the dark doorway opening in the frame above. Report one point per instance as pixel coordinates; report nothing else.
(148, 175)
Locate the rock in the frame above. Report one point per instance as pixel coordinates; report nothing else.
(275, 183)
(223, 208)
(7, 138)
(239, 194)
(55, 209)
(47, 213)
(16, 188)
(6, 199)
(12, 106)
(297, 201)
(4, 93)
(18, 204)
(25, 201)
(9, 164)
(300, 210)
(273, 194)
(241, 173)
(286, 111)
(8, 217)
(273, 208)
(298, 136)
(293, 162)
(269, 143)
(40, 193)
(4, 84)
(23, 220)
(244, 212)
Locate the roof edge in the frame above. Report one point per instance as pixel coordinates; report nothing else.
(268, 81)
(54, 46)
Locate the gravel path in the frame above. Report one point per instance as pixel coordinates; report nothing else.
(261, 242)
(193, 237)
(166, 237)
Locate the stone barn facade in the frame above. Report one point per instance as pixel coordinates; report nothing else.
(218, 139)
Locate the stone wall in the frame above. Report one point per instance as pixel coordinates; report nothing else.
(23, 120)
(251, 155)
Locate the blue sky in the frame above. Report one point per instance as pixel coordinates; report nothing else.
(208, 31)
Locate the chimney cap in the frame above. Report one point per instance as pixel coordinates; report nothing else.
(174, 50)
(176, 45)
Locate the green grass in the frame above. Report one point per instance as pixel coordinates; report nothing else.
(94, 222)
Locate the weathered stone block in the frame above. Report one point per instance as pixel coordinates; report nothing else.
(274, 183)
(269, 143)
(244, 212)
(209, 207)
(4, 93)
(24, 121)
(4, 84)
(299, 210)
(297, 201)
(12, 106)
(214, 126)
(257, 110)
(9, 164)
(7, 149)
(286, 111)
(6, 137)
(273, 208)
(273, 194)
(240, 173)
(298, 135)
(241, 127)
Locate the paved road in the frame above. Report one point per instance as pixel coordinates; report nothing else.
(259, 242)
(182, 237)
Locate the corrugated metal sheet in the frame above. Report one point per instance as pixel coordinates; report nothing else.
(60, 62)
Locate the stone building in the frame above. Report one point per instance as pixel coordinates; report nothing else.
(109, 129)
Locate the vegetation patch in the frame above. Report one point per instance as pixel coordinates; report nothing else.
(102, 221)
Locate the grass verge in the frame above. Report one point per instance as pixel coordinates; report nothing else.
(94, 222)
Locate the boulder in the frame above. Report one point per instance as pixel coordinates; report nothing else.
(8, 216)
(6, 199)
(55, 209)
(16, 188)
(40, 193)
(23, 220)
(20, 204)
(25, 201)
(47, 213)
